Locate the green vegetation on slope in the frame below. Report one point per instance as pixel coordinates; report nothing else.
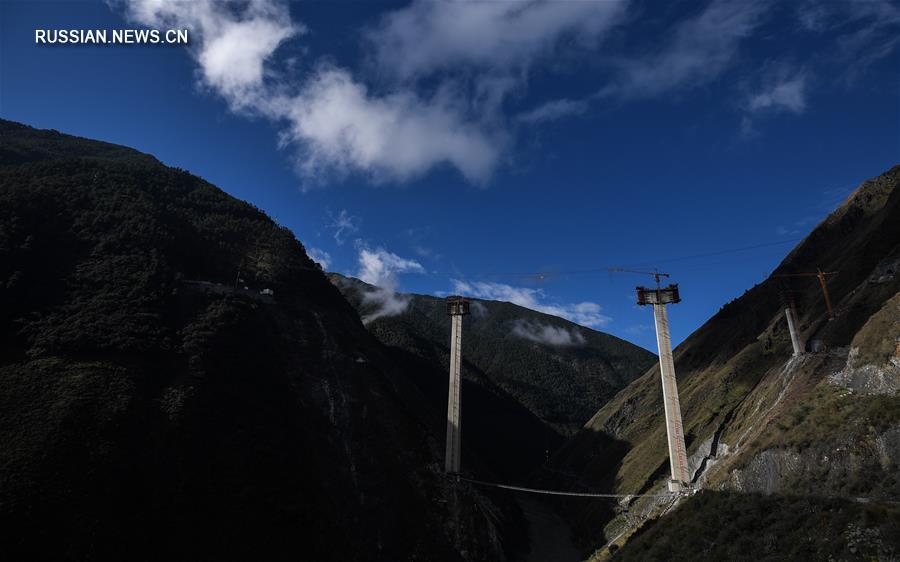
(563, 384)
(732, 526)
(519, 396)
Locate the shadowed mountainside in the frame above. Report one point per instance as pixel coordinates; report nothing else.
(179, 381)
(528, 377)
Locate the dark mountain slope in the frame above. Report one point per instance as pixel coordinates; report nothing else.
(520, 396)
(825, 424)
(157, 403)
(560, 383)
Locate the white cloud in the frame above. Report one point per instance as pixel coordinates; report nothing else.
(398, 136)
(231, 43)
(336, 123)
(698, 51)
(343, 225)
(380, 267)
(321, 257)
(785, 93)
(545, 333)
(584, 313)
(429, 36)
(554, 110)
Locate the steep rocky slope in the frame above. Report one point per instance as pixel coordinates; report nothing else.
(529, 378)
(824, 426)
(178, 381)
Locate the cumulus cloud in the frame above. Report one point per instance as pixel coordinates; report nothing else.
(699, 50)
(231, 43)
(409, 120)
(429, 36)
(335, 121)
(380, 267)
(321, 257)
(554, 110)
(584, 313)
(396, 136)
(547, 334)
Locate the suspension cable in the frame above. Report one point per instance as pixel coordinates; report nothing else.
(560, 492)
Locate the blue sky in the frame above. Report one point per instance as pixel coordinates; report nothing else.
(442, 146)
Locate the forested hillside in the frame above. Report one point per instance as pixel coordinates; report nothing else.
(557, 369)
(179, 381)
(529, 379)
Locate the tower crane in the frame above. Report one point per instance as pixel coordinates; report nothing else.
(655, 273)
(822, 276)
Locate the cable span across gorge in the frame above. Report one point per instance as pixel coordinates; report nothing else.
(559, 492)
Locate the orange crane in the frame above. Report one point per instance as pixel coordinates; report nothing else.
(822, 276)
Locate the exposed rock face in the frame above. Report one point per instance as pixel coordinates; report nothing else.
(873, 366)
(823, 471)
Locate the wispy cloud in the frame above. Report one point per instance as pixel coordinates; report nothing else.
(321, 257)
(786, 93)
(427, 36)
(379, 268)
(343, 226)
(554, 110)
(828, 200)
(796, 228)
(478, 309)
(865, 31)
(584, 313)
(547, 334)
(698, 51)
(781, 88)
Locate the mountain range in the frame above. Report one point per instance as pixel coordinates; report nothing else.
(530, 379)
(180, 381)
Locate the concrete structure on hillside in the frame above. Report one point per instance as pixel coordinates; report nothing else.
(790, 315)
(457, 307)
(659, 298)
